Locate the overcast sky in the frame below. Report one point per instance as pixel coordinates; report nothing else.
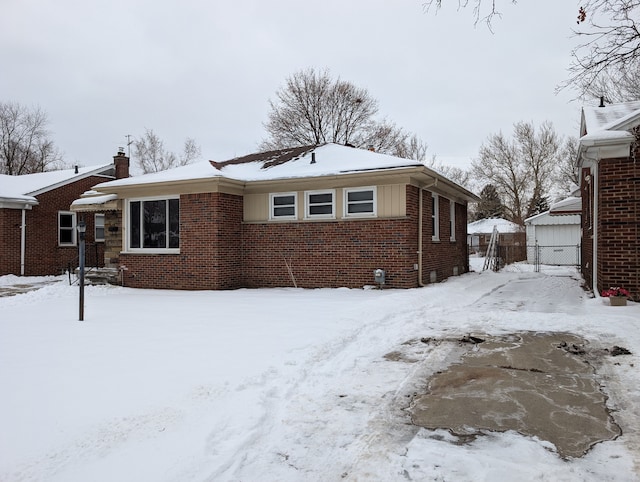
(206, 69)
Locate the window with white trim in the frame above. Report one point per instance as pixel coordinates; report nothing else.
(283, 205)
(320, 204)
(435, 218)
(98, 223)
(360, 202)
(452, 220)
(154, 224)
(66, 228)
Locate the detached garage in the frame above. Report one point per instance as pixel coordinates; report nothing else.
(553, 237)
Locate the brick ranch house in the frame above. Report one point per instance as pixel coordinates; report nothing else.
(37, 228)
(609, 157)
(314, 216)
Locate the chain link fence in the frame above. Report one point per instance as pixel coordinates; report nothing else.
(567, 255)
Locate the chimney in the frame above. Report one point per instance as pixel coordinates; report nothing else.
(601, 101)
(76, 167)
(121, 161)
(313, 158)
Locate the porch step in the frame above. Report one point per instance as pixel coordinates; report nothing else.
(100, 276)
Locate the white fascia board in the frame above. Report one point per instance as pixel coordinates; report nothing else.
(77, 177)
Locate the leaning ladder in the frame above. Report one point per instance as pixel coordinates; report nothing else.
(491, 259)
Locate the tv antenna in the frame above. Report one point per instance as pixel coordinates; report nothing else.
(129, 142)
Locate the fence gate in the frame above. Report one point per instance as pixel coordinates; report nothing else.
(567, 255)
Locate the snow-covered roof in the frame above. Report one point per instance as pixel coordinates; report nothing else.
(570, 205)
(24, 188)
(103, 199)
(307, 161)
(483, 226)
(609, 124)
(607, 117)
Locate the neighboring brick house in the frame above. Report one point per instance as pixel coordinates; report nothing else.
(38, 229)
(609, 158)
(314, 216)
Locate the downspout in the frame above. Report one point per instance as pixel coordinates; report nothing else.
(595, 229)
(593, 161)
(23, 243)
(420, 283)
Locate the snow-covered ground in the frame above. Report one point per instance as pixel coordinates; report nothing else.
(283, 384)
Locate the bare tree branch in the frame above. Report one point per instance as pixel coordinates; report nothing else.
(480, 14)
(609, 57)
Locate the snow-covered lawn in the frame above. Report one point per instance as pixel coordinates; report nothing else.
(283, 384)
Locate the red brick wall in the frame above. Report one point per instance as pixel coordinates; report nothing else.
(10, 221)
(43, 256)
(441, 256)
(210, 248)
(218, 251)
(345, 253)
(329, 253)
(619, 225)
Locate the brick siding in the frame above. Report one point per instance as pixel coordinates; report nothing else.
(441, 256)
(10, 221)
(210, 248)
(619, 225)
(219, 251)
(43, 256)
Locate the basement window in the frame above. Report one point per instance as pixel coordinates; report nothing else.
(154, 225)
(360, 202)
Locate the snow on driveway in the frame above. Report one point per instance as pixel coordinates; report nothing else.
(283, 384)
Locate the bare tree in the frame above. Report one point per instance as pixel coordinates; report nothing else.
(412, 147)
(616, 86)
(568, 172)
(151, 155)
(25, 146)
(312, 109)
(521, 168)
(190, 152)
(455, 174)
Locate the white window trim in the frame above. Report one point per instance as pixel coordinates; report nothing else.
(436, 218)
(95, 228)
(345, 203)
(307, 194)
(128, 248)
(282, 194)
(74, 230)
(452, 219)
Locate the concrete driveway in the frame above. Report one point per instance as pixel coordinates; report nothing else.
(538, 384)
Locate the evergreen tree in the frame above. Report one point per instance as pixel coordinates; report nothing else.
(490, 205)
